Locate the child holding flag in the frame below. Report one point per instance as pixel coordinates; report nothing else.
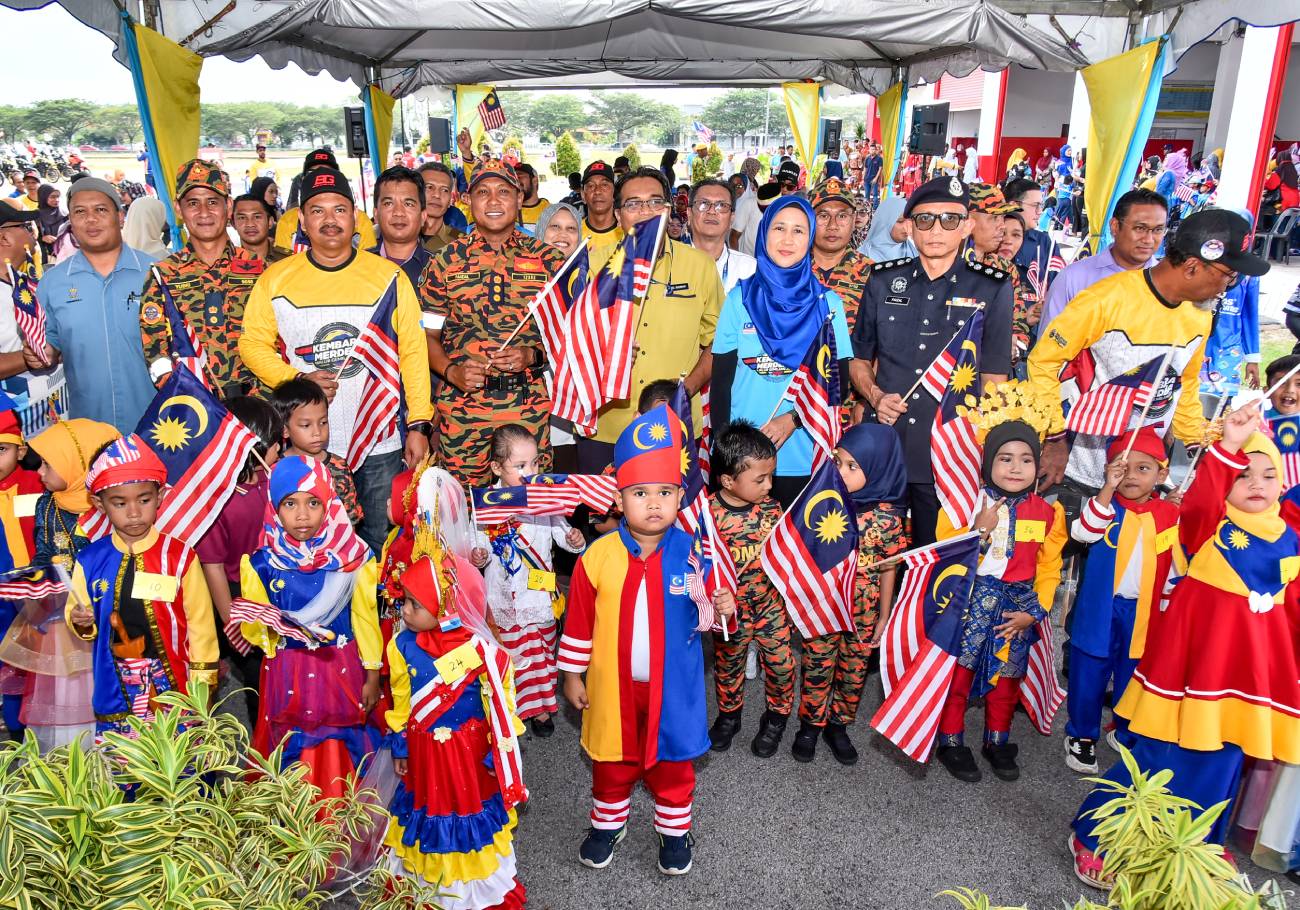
(1132, 539)
(139, 595)
(520, 576)
(1015, 582)
(633, 630)
(320, 678)
(19, 490)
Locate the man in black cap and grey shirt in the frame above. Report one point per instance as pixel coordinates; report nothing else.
(910, 311)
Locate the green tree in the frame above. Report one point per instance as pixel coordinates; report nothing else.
(567, 158)
(633, 155)
(121, 121)
(13, 121)
(738, 113)
(514, 142)
(622, 112)
(550, 116)
(714, 161)
(60, 118)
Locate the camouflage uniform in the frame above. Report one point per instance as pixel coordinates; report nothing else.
(848, 279)
(1026, 308)
(760, 612)
(834, 666)
(211, 298)
(482, 294)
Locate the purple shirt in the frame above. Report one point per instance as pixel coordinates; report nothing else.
(238, 529)
(1080, 274)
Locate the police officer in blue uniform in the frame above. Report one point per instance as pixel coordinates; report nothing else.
(911, 310)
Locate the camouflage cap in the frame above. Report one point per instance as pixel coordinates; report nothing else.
(832, 189)
(207, 174)
(494, 168)
(987, 198)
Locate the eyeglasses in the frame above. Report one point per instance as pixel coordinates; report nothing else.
(633, 206)
(949, 221)
(704, 207)
(1224, 271)
(1146, 230)
(835, 218)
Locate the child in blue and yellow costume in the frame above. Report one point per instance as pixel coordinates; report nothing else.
(454, 734)
(1015, 582)
(19, 489)
(139, 595)
(317, 693)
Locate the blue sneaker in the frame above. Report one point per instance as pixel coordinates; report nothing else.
(598, 849)
(675, 853)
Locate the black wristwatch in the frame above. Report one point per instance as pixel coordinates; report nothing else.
(798, 424)
(421, 426)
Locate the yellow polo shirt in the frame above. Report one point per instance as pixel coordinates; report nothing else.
(678, 320)
(599, 238)
(528, 214)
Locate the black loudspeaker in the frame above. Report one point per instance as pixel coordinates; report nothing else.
(929, 135)
(831, 131)
(354, 127)
(439, 135)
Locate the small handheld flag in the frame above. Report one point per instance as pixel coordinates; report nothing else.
(491, 113)
(1106, 409)
(954, 449)
(185, 347)
(376, 349)
(28, 312)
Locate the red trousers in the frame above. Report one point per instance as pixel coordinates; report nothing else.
(999, 704)
(671, 783)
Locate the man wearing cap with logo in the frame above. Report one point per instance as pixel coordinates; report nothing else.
(599, 224)
(288, 233)
(476, 293)
(1129, 319)
(988, 209)
(92, 312)
(209, 280)
(787, 177)
(911, 310)
(303, 318)
(39, 398)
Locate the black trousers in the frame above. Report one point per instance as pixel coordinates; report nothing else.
(924, 502)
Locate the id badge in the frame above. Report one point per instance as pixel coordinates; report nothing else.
(152, 586)
(25, 504)
(541, 580)
(453, 665)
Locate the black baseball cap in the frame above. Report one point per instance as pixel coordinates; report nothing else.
(11, 215)
(1218, 235)
(319, 158)
(598, 169)
(324, 180)
(788, 171)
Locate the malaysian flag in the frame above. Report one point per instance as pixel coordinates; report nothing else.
(251, 611)
(939, 372)
(595, 491)
(1105, 410)
(1286, 436)
(596, 364)
(1185, 193)
(954, 450)
(815, 391)
(921, 641)
(376, 348)
(185, 347)
(705, 134)
(493, 505)
(696, 517)
(28, 312)
(552, 304)
(491, 112)
(811, 556)
(203, 448)
(33, 587)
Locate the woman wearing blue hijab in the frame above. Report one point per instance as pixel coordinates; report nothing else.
(767, 325)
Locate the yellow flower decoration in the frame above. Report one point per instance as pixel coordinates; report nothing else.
(1003, 402)
(442, 734)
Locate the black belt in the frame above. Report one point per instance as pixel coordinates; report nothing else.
(508, 382)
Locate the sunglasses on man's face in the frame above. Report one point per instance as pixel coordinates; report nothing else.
(949, 221)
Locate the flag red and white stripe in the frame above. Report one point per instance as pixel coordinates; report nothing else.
(955, 454)
(191, 504)
(376, 349)
(251, 611)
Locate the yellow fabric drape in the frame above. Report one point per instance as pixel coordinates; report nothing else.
(171, 81)
(1116, 91)
(889, 107)
(803, 107)
(381, 103)
(467, 102)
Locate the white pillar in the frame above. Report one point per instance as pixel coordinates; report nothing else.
(990, 128)
(1247, 113)
(1080, 115)
(1225, 86)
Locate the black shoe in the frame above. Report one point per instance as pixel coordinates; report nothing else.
(1002, 757)
(598, 849)
(675, 853)
(805, 742)
(960, 762)
(724, 730)
(841, 746)
(770, 730)
(542, 726)
(1081, 755)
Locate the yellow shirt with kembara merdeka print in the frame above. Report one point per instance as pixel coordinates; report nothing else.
(677, 322)
(301, 317)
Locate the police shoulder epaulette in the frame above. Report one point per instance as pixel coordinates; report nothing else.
(889, 264)
(983, 268)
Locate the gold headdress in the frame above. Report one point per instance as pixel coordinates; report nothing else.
(1004, 402)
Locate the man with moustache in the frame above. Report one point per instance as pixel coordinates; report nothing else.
(399, 217)
(310, 308)
(710, 210)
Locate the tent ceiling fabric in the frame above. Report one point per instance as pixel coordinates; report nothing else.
(412, 43)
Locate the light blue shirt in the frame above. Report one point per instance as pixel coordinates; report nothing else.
(761, 382)
(94, 321)
(1075, 277)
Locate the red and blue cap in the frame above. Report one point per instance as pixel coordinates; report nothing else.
(651, 450)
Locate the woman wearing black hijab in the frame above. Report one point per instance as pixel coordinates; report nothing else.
(265, 188)
(50, 221)
(666, 164)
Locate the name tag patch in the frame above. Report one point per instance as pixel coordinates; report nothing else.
(894, 300)
(1030, 531)
(153, 586)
